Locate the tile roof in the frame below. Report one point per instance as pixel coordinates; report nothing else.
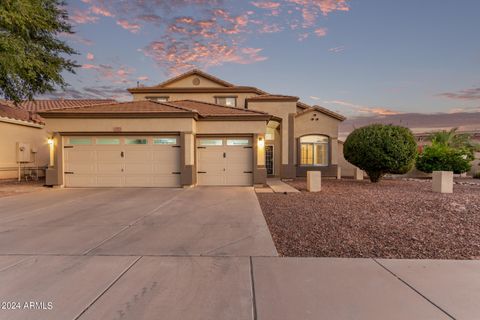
(43, 105)
(324, 111)
(202, 109)
(206, 109)
(273, 97)
(143, 106)
(17, 113)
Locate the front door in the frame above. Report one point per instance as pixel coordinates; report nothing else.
(269, 163)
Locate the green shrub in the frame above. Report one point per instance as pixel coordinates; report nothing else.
(380, 149)
(439, 157)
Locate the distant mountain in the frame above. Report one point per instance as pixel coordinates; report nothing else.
(417, 122)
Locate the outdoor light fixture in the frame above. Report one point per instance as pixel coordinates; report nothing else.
(261, 142)
(50, 141)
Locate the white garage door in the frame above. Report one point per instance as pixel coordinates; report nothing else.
(225, 161)
(122, 161)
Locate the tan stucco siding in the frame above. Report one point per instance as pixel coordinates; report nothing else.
(324, 125)
(348, 169)
(281, 110)
(10, 134)
(204, 97)
(125, 125)
(231, 127)
(187, 82)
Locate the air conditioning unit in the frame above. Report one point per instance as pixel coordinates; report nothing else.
(24, 152)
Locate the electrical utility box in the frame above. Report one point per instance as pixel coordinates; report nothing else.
(24, 152)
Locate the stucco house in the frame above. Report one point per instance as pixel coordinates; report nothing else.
(194, 129)
(20, 124)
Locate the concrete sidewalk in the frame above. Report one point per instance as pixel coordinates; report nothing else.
(278, 186)
(264, 288)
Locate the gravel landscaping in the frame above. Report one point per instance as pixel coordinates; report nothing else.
(392, 219)
(12, 187)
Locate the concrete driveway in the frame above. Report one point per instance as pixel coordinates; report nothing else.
(138, 221)
(199, 254)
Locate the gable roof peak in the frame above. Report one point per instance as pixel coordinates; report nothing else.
(196, 72)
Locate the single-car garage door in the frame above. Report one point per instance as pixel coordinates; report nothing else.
(225, 161)
(122, 161)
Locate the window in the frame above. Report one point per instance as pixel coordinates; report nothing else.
(80, 141)
(270, 134)
(135, 141)
(210, 142)
(167, 141)
(158, 99)
(238, 142)
(107, 141)
(226, 101)
(314, 150)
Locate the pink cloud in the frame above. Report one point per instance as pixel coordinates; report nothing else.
(101, 11)
(321, 32)
(132, 27)
(83, 17)
(180, 56)
(90, 56)
(143, 78)
(364, 109)
(116, 75)
(266, 5)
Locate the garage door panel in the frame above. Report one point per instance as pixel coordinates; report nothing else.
(166, 180)
(109, 167)
(81, 156)
(109, 155)
(139, 168)
(211, 179)
(239, 179)
(110, 181)
(122, 165)
(166, 168)
(80, 180)
(166, 154)
(80, 168)
(225, 165)
(138, 155)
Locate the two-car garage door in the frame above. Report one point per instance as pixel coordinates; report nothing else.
(122, 161)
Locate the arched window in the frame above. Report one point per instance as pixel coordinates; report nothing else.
(314, 150)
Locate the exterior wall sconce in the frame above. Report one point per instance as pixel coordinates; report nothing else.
(261, 142)
(51, 145)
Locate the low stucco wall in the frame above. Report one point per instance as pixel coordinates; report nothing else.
(10, 134)
(348, 169)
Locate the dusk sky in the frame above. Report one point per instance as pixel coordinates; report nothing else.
(357, 57)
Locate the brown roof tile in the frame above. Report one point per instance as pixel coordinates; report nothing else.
(43, 105)
(206, 109)
(185, 107)
(144, 106)
(324, 111)
(273, 97)
(17, 113)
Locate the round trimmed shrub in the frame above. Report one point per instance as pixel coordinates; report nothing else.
(380, 149)
(444, 158)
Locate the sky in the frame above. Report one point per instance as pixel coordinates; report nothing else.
(356, 57)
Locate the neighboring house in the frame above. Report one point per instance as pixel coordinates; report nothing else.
(194, 129)
(20, 124)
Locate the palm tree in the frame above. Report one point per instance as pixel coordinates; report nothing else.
(453, 139)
